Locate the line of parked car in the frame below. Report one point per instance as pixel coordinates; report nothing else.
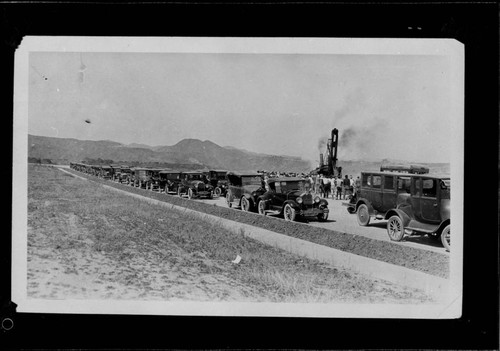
(286, 196)
(411, 203)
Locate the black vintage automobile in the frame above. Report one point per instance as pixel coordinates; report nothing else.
(115, 172)
(291, 197)
(105, 172)
(124, 175)
(195, 185)
(147, 178)
(169, 181)
(244, 190)
(411, 204)
(131, 179)
(218, 180)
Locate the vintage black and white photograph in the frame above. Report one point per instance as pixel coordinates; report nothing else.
(239, 176)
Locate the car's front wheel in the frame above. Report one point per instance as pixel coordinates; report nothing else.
(395, 228)
(245, 204)
(289, 213)
(363, 215)
(322, 217)
(190, 193)
(445, 237)
(217, 191)
(261, 207)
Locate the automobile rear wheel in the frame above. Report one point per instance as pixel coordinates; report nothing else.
(261, 206)
(322, 217)
(228, 200)
(217, 191)
(190, 193)
(363, 215)
(445, 237)
(395, 228)
(289, 213)
(245, 204)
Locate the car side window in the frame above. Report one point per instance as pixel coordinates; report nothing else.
(429, 188)
(272, 186)
(365, 180)
(277, 187)
(377, 181)
(388, 182)
(418, 186)
(404, 184)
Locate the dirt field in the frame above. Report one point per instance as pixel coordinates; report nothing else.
(90, 243)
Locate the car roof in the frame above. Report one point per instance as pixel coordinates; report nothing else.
(170, 172)
(401, 174)
(284, 179)
(218, 170)
(193, 172)
(244, 174)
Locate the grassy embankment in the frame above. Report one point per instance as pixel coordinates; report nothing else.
(88, 242)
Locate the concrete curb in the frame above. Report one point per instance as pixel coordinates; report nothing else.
(432, 285)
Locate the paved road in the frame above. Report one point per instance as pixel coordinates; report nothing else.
(340, 220)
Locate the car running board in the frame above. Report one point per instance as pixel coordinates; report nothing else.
(266, 212)
(422, 227)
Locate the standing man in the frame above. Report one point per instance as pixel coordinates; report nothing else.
(339, 188)
(347, 185)
(327, 185)
(351, 185)
(357, 184)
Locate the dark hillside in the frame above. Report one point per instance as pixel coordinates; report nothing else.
(191, 153)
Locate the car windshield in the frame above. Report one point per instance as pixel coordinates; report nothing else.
(195, 177)
(221, 176)
(292, 186)
(254, 180)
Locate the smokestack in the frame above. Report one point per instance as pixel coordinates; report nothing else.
(321, 160)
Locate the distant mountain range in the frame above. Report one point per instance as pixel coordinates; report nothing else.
(186, 154)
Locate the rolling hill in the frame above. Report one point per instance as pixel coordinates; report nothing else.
(187, 154)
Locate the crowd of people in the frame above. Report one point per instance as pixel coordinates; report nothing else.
(334, 187)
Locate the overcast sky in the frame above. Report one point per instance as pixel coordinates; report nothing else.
(385, 106)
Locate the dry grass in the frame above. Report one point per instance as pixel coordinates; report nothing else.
(122, 247)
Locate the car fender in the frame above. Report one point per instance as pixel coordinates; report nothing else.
(366, 202)
(443, 225)
(401, 214)
(265, 199)
(292, 203)
(323, 202)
